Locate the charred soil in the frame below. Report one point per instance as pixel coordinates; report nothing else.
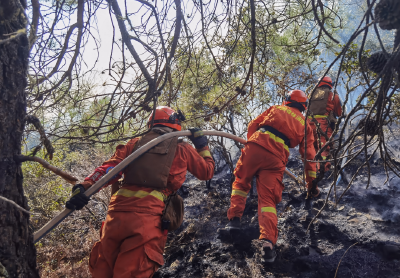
(367, 220)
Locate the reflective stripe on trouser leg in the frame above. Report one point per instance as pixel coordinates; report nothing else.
(238, 199)
(269, 188)
(312, 174)
(246, 168)
(325, 127)
(268, 209)
(268, 226)
(239, 193)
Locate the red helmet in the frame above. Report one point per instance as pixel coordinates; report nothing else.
(327, 81)
(167, 117)
(296, 96)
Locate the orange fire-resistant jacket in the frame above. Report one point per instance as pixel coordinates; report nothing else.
(132, 241)
(290, 122)
(197, 162)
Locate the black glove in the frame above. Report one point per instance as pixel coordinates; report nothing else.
(78, 199)
(198, 138)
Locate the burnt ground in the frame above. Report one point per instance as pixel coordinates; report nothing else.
(368, 218)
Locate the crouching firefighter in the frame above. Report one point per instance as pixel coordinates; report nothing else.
(265, 155)
(145, 206)
(325, 107)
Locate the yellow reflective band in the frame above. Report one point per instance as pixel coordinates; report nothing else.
(160, 196)
(239, 192)
(205, 153)
(139, 194)
(318, 116)
(312, 174)
(277, 139)
(269, 209)
(324, 157)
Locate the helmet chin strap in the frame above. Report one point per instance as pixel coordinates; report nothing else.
(297, 105)
(167, 122)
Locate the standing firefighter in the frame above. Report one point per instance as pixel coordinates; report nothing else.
(133, 236)
(265, 155)
(324, 107)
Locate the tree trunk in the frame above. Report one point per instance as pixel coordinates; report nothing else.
(17, 251)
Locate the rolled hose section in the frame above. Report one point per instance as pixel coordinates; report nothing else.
(107, 177)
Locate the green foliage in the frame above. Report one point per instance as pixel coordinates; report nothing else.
(61, 252)
(205, 81)
(351, 63)
(46, 191)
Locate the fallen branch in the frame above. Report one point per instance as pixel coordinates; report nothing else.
(45, 164)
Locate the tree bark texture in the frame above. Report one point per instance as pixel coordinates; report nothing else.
(17, 251)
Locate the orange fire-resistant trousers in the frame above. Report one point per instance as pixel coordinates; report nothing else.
(323, 123)
(132, 245)
(268, 169)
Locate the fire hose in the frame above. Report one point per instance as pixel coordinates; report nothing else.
(107, 177)
(341, 175)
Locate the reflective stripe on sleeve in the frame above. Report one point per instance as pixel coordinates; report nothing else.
(269, 209)
(239, 192)
(312, 174)
(140, 194)
(276, 139)
(205, 153)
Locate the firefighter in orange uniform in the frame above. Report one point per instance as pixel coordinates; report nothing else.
(132, 238)
(325, 106)
(265, 155)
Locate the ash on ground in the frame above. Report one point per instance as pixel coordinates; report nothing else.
(366, 224)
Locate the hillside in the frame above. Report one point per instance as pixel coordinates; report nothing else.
(368, 221)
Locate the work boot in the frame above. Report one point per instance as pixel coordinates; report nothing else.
(315, 193)
(234, 224)
(269, 251)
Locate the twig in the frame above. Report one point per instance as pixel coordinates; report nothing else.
(342, 258)
(15, 205)
(13, 36)
(321, 23)
(126, 38)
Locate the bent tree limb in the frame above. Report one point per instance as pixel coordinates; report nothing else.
(46, 142)
(126, 38)
(45, 164)
(80, 25)
(14, 204)
(107, 177)
(34, 24)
